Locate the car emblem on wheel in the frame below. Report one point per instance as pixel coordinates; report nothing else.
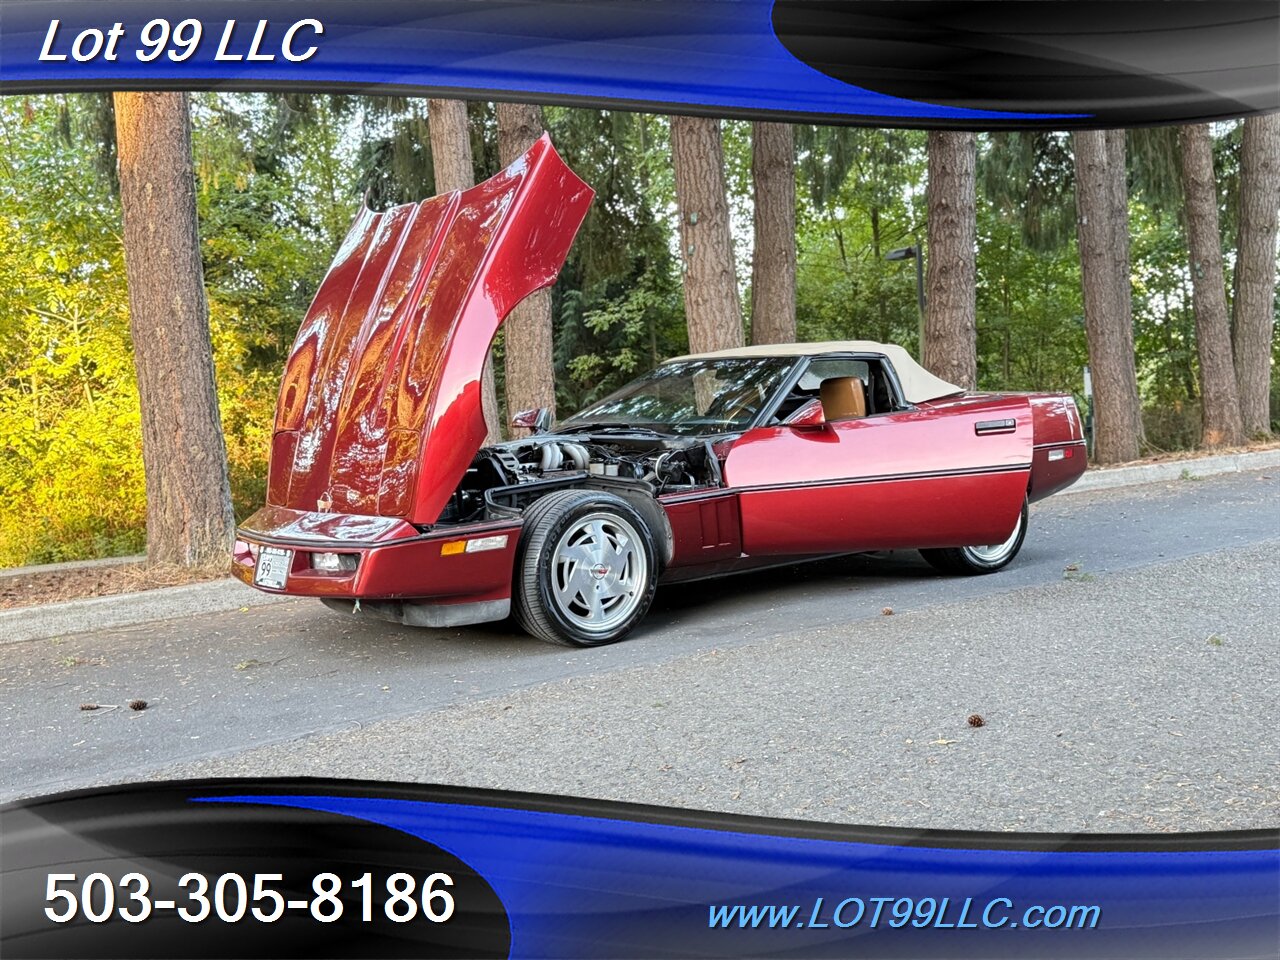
(600, 571)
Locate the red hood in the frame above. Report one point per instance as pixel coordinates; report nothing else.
(379, 410)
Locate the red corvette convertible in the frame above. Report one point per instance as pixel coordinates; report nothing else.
(384, 501)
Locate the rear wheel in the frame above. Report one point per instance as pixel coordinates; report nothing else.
(968, 561)
(586, 571)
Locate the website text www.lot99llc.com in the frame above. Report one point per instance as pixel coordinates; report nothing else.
(897, 912)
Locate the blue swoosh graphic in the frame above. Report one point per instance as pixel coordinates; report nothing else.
(571, 882)
(697, 53)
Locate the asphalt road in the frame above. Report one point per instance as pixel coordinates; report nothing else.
(1137, 690)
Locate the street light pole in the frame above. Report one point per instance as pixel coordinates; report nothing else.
(916, 254)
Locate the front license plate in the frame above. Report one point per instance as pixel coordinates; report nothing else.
(273, 567)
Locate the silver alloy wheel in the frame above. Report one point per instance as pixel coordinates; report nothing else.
(599, 572)
(996, 552)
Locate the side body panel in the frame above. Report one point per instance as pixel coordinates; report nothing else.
(1060, 456)
(705, 528)
(952, 473)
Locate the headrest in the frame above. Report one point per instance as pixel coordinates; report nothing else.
(843, 398)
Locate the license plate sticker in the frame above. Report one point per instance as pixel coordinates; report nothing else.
(273, 567)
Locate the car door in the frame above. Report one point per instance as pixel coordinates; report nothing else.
(952, 473)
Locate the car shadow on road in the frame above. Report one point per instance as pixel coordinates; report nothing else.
(783, 585)
(790, 583)
(876, 579)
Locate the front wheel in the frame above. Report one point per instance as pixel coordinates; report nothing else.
(968, 561)
(587, 569)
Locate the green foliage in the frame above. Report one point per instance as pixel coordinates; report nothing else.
(824, 156)
(1164, 324)
(1155, 177)
(397, 167)
(70, 449)
(70, 470)
(1031, 319)
(618, 306)
(844, 287)
(1029, 179)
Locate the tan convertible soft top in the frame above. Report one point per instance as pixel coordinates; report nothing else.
(918, 384)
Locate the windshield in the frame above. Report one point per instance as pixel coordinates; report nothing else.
(691, 396)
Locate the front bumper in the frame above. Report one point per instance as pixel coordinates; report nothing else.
(394, 561)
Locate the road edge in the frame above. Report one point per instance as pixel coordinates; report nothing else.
(70, 617)
(1107, 478)
(42, 622)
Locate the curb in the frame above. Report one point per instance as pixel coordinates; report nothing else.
(70, 565)
(1107, 478)
(128, 609)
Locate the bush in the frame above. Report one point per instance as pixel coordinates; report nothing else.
(1172, 426)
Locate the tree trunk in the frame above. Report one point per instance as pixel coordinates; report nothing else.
(950, 329)
(529, 364)
(711, 305)
(1219, 397)
(1102, 227)
(454, 170)
(773, 265)
(189, 516)
(1254, 304)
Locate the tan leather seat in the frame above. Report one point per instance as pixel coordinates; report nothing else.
(843, 398)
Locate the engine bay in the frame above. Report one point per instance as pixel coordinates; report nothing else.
(504, 478)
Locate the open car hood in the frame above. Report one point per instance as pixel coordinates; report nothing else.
(379, 411)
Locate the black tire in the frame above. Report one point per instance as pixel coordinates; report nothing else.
(971, 561)
(552, 593)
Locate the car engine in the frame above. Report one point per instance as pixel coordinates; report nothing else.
(505, 478)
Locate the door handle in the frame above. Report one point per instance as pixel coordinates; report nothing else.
(985, 427)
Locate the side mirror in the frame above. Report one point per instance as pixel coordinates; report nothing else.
(537, 420)
(810, 417)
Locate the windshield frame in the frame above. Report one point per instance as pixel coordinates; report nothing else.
(788, 368)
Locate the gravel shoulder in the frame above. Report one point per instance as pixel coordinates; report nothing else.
(1142, 700)
(58, 583)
